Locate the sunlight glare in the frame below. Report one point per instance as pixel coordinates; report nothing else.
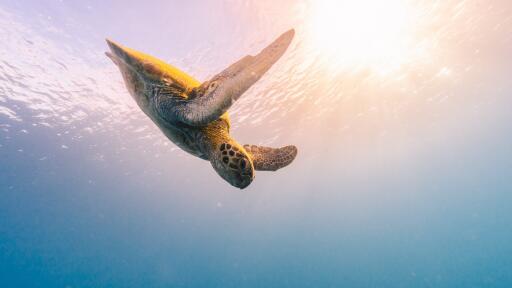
(369, 33)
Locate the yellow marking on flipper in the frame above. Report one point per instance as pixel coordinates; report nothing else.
(156, 68)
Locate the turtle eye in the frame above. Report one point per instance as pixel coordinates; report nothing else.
(212, 85)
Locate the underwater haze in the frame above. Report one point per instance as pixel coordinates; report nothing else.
(400, 109)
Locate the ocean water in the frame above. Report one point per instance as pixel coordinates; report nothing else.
(400, 110)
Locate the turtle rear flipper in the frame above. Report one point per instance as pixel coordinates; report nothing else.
(271, 159)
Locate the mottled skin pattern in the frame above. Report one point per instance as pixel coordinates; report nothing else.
(270, 159)
(194, 115)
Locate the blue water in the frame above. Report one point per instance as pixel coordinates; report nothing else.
(401, 181)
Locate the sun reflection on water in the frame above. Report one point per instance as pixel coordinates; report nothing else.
(379, 35)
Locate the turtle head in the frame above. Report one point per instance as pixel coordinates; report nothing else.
(233, 164)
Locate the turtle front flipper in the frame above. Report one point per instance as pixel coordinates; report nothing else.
(214, 97)
(271, 159)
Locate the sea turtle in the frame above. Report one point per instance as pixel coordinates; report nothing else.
(194, 115)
